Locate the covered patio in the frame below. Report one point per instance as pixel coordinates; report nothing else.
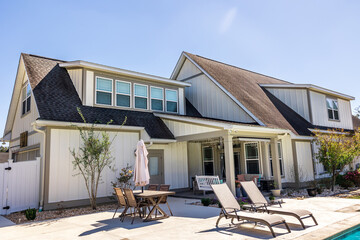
(228, 149)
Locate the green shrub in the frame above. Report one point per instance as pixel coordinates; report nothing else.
(343, 182)
(206, 201)
(30, 214)
(271, 198)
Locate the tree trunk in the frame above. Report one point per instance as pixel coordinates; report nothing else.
(333, 180)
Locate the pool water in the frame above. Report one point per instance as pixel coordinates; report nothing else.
(350, 234)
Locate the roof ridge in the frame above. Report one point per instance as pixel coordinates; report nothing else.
(38, 56)
(240, 68)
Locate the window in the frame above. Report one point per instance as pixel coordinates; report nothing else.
(26, 99)
(208, 157)
(332, 107)
(171, 101)
(157, 98)
(104, 91)
(26, 155)
(280, 160)
(123, 93)
(141, 94)
(252, 158)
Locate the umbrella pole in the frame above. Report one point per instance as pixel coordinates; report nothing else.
(142, 189)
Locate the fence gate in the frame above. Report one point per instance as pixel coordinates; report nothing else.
(19, 185)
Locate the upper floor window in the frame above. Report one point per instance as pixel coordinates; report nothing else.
(333, 109)
(157, 98)
(104, 91)
(26, 99)
(123, 93)
(171, 101)
(141, 94)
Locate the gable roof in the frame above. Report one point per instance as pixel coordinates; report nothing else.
(57, 99)
(244, 86)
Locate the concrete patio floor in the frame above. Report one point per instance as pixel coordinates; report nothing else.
(192, 222)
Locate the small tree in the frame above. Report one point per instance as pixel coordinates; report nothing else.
(92, 157)
(336, 150)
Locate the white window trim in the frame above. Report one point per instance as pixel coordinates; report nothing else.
(177, 102)
(147, 97)
(280, 158)
(24, 89)
(258, 159)
(332, 109)
(116, 80)
(112, 91)
(203, 158)
(163, 99)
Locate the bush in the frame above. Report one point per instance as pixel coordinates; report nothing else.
(30, 214)
(353, 176)
(271, 198)
(206, 201)
(343, 182)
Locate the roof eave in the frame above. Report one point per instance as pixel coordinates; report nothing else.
(310, 87)
(95, 66)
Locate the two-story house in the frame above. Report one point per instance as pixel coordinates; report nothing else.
(208, 118)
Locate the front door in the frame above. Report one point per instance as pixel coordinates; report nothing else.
(156, 166)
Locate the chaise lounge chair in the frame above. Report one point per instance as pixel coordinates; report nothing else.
(231, 209)
(262, 205)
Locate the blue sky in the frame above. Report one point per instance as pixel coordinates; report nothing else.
(300, 41)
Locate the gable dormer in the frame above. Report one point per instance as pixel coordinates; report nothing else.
(102, 86)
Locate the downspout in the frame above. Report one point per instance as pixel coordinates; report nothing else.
(42, 166)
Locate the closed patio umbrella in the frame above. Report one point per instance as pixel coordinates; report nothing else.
(141, 170)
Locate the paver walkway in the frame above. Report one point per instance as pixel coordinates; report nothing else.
(188, 222)
(4, 222)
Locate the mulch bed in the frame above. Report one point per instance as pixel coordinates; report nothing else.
(19, 217)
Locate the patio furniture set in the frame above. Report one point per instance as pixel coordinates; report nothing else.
(138, 202)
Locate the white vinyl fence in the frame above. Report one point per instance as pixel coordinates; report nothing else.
(19, 185)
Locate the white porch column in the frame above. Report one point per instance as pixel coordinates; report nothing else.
(265, 160)
(275, 162)
(229, 162)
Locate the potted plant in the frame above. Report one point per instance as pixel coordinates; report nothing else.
(276, 192)
(237, 187)
(312, 190)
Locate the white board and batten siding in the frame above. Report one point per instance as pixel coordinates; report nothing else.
(208, 98)
(296, 99)
(304, 161)
(320, 115)
(65, 184)
(76, 76)
(175, 164)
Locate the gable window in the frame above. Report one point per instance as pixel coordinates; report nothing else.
(333, 109)
(208, 159)
(171, 100)
(141, 94)
(157, 98)
(123, 92)
(252, 158)
(104, 91)
(280, 159)
(26, 99)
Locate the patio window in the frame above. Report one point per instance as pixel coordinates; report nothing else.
(208, 158)
(104, 89)
(280, 160)
(333, 109)
(157, 98)
(141, 96)
(123, 93)
(26, 99)
(252, 158)
(171, 101)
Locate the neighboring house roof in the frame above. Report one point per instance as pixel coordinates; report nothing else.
(57, 99)
(244, 86)
(356, 122)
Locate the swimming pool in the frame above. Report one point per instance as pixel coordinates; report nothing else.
(349, 234)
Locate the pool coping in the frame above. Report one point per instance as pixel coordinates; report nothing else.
(332, 229)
